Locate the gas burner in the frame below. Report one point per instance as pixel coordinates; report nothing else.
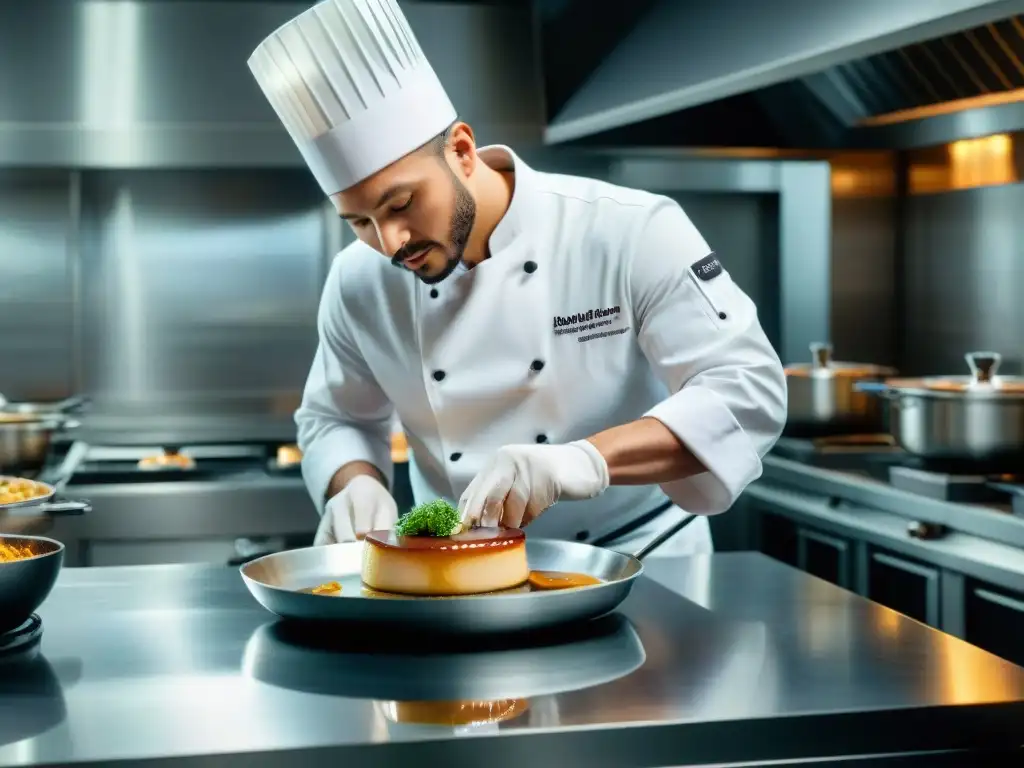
(942, 486)
(976, 488)
(22, 637)
(849, 452)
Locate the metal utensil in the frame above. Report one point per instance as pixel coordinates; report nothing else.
(26, 583)
(823, 397)
(275, 580)
(977, 417)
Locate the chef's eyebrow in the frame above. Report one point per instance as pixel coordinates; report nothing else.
(390, 192)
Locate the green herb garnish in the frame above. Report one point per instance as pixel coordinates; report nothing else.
(435, 518)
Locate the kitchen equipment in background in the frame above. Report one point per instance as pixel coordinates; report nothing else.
(276, 582)
(26, 582)
(66, 407)
(973, 419)
(823, 398)
(881, 468)
(25, 440)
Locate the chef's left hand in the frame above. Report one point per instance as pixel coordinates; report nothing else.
(521, 481)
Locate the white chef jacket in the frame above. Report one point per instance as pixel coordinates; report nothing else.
(598, 305)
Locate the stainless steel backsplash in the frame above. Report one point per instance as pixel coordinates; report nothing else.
(200, 283)
(162, 245)
(36, 273)
(964, 277)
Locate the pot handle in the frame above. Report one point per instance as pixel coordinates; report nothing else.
(821, 355)
(983, 366)
(879, 388)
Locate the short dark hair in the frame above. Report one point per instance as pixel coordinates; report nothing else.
(439, 143)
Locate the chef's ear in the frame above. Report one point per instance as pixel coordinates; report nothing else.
(462, 142)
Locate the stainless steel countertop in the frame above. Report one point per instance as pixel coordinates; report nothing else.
(747, 659)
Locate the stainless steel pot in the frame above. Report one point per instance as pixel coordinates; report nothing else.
(977, 418)
(25, 441)
(27, 430)
(823, 398)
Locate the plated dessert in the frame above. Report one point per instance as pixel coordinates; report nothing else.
(428, 553)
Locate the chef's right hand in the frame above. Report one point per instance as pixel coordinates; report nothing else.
(363, 505)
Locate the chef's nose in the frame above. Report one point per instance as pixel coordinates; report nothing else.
(392, 238)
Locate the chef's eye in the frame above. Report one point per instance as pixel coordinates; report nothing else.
(401, 207)
(359, 223)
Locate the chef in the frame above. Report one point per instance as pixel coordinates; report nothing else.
(562, 353)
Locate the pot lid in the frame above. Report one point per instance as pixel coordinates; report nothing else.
(982, 382)
(823, 365)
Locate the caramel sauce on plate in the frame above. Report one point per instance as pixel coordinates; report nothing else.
(548, 580)
(538, 581)
(329, 588)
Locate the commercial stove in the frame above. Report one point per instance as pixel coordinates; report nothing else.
(877, 458)
(207, 503)
(210, 503)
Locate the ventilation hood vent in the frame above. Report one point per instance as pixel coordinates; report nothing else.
(975, 68)
(895, 75)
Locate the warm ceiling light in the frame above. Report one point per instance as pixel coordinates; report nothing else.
(945, 108)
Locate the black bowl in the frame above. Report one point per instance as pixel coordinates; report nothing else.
(26, 583)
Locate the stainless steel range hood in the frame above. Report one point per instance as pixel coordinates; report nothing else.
(846, 73)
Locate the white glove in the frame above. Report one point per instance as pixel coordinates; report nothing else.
(363, 505)
(521, 481)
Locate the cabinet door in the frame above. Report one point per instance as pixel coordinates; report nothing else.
(994, 620)
(776, 536)
(823, 555)
(907, 586)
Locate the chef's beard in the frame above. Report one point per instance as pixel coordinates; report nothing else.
(459, 230)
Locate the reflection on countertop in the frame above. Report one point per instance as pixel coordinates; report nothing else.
(722, 654)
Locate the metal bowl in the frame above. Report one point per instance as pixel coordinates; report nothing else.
(26, 583)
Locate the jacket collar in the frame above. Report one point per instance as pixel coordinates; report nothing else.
(519, 215)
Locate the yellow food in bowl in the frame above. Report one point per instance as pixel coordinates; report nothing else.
(10, 551)
(15, 489)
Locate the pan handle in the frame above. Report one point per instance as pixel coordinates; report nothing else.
(664, 536)
(50, 508)
(75, 404)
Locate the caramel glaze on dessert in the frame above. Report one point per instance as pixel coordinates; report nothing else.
(473, 562)
(473, 541)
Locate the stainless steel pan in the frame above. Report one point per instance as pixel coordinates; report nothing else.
(275, 581)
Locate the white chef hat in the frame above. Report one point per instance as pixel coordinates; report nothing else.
(351, 84)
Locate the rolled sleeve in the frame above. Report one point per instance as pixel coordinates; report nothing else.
(727, 401)
(344, 416)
